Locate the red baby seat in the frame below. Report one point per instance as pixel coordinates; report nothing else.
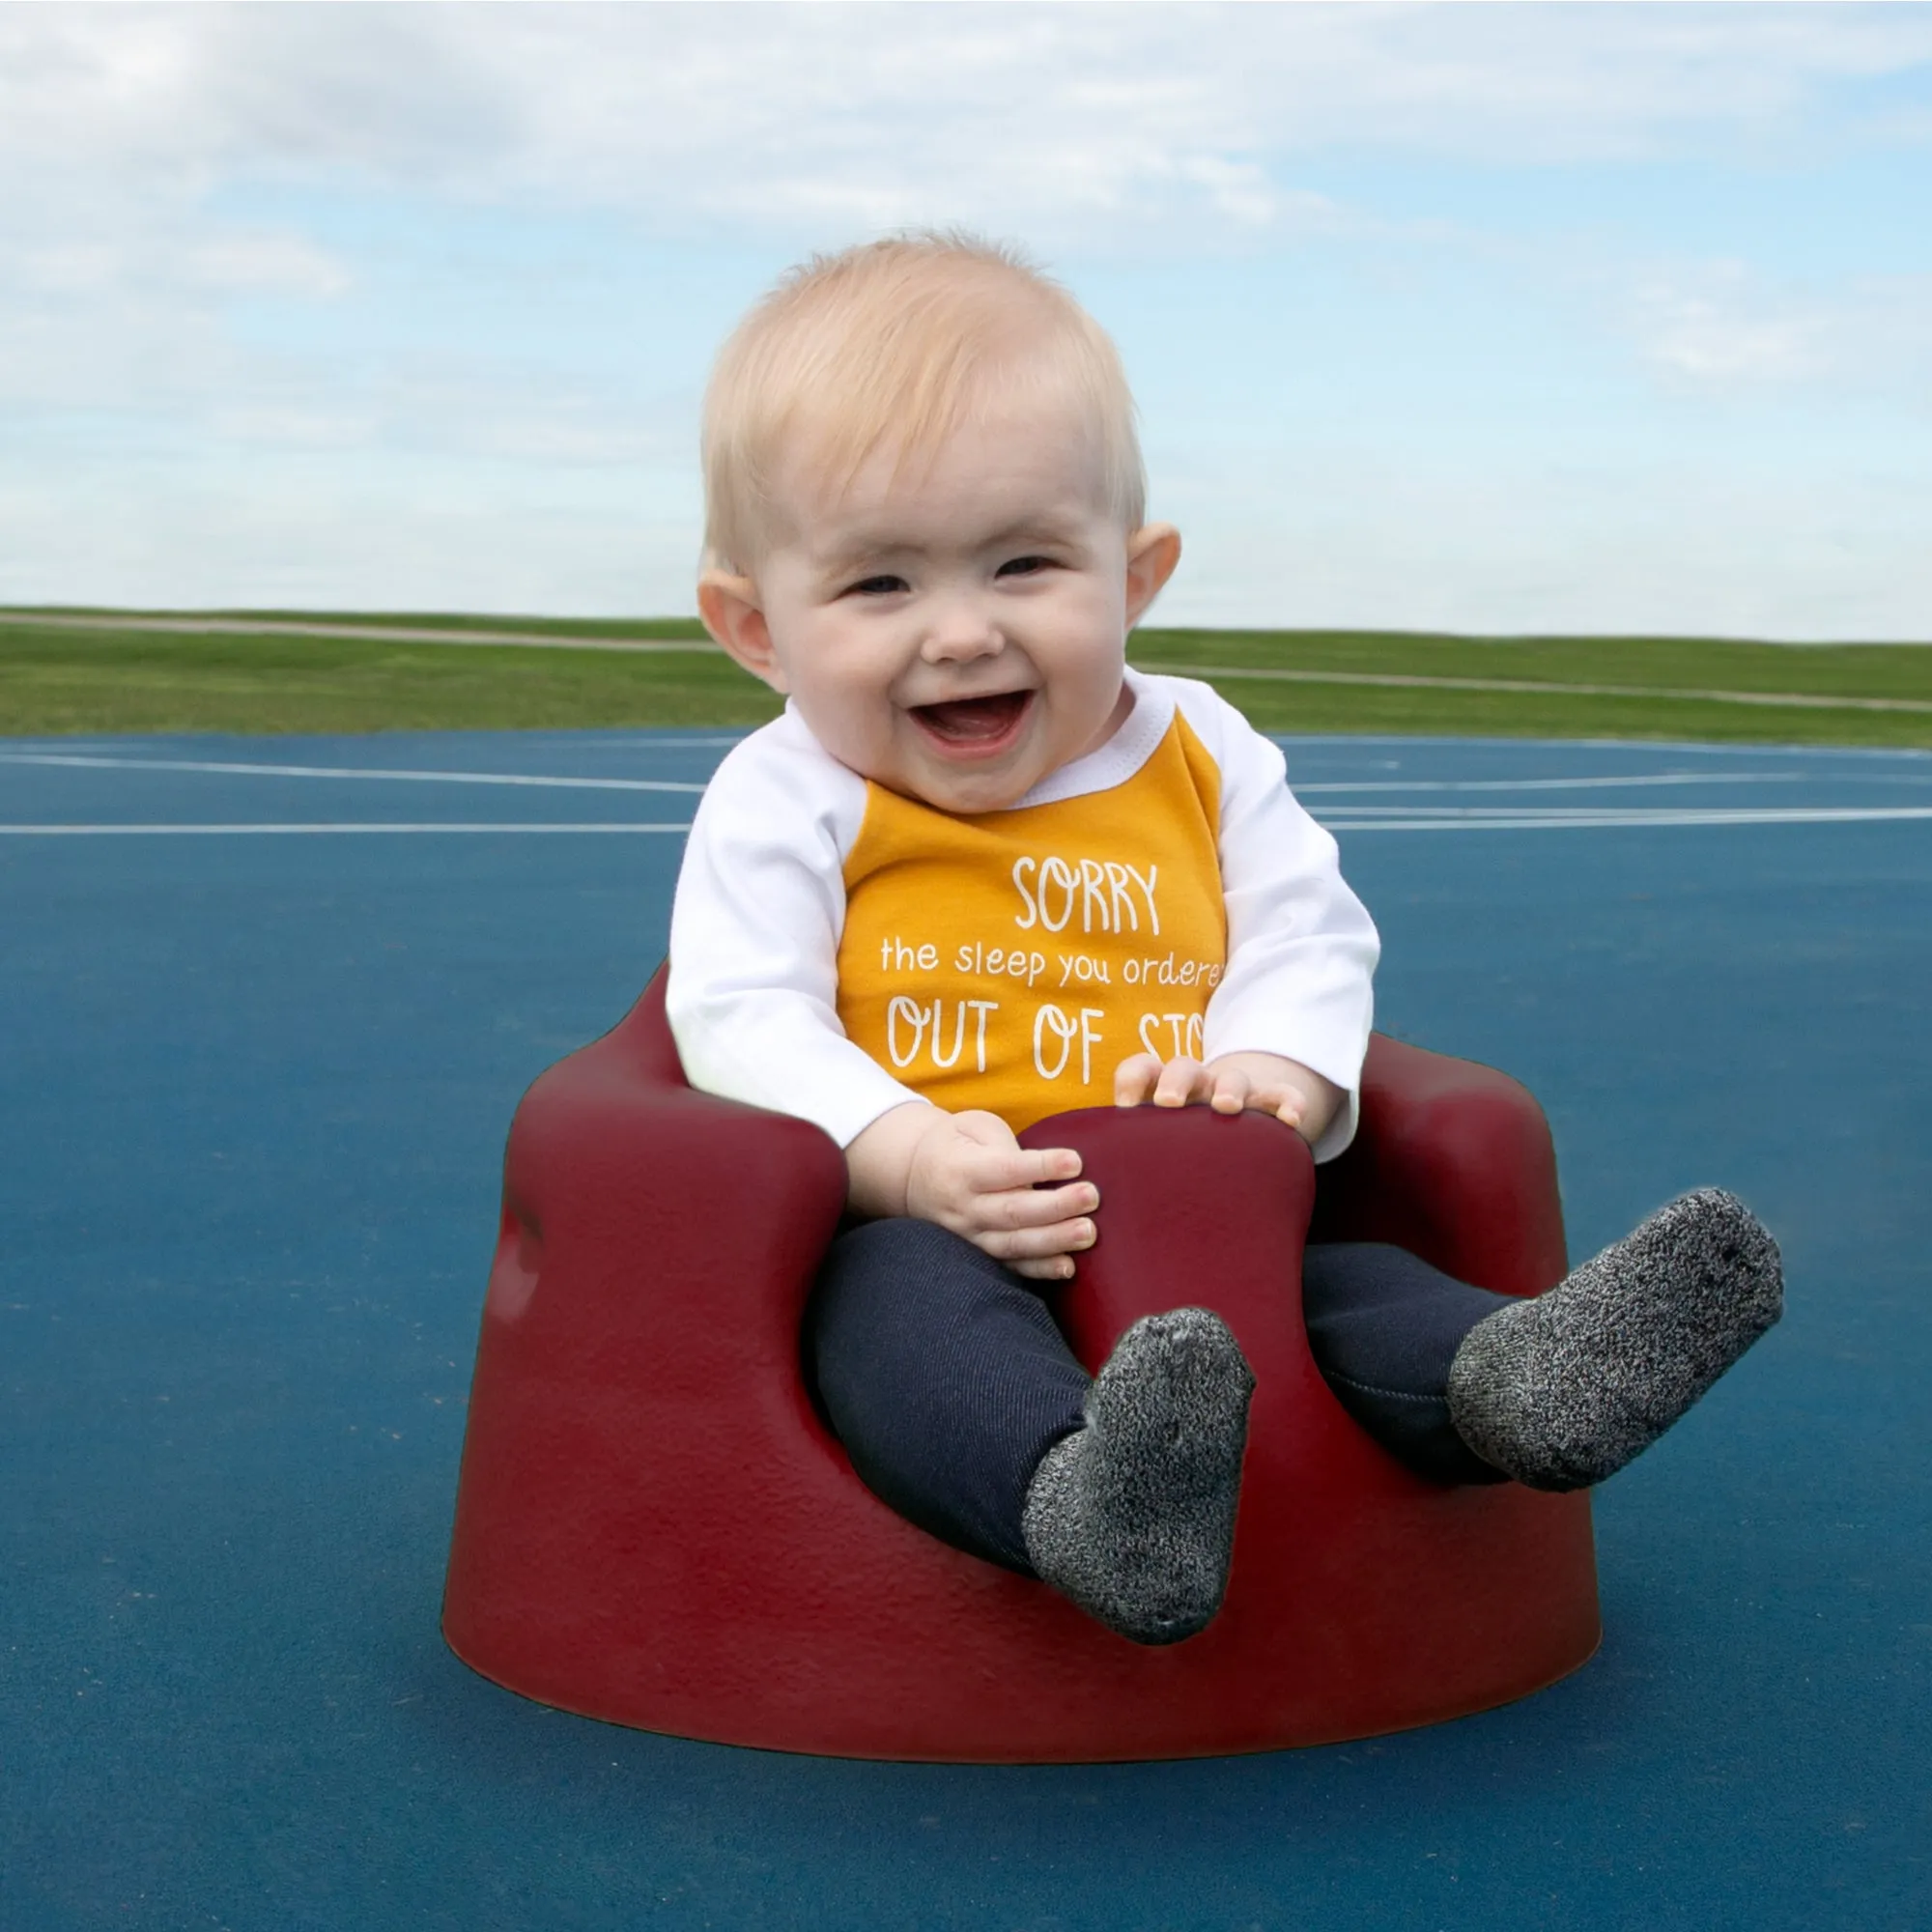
(653, 1525)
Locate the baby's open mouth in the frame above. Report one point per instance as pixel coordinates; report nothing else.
(973, 721)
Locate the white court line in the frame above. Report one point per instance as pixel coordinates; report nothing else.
(1585, 822)
(343, 826)
(88, 763)
(103, 762)
(1555, 784)
(550, 781)
(1475, 820)
(1406, 741)
(1554, 811)
(665, 743)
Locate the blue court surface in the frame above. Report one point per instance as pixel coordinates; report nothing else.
(267, 1006)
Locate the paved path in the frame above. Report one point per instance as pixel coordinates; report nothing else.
(302, 626)
(1802, 700)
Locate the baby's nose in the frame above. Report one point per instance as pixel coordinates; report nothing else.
(961, 630)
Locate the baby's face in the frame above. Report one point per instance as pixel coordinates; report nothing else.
(958, 631)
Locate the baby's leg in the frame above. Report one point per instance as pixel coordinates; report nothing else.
(961, 1406)
(1559, 1391)
(945, 1378)
(1383, 1328)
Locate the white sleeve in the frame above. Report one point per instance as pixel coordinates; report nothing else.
(754, 928)
(1301, 947)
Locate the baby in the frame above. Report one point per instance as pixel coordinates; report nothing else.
(980, 872)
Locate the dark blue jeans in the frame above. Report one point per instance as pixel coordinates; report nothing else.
(945, 1377)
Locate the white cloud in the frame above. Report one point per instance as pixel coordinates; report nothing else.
(180, 255)
(265, 262)
(1720, 325)
(1706, 335)
(1050, 118)
(308, 530)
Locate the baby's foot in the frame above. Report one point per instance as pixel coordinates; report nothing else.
(1563, 1390)
(1133, 1516)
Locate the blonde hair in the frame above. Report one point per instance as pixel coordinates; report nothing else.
(897, 344)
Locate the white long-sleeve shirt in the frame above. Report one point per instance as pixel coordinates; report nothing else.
(760, 914)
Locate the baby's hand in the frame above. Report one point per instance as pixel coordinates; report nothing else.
(969, 1174)
(1263, 1083)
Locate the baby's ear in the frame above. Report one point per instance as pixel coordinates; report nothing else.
(733, 615)
(1153, 551)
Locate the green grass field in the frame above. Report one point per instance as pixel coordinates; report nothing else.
(91, 672)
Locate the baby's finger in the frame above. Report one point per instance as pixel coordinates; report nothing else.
(1134, 1079)
(1056, 1267)
(1002, 1170)
(1230, 1091)
(1271, 1097)
(1180, 1081)
(1033, 1208)
(1014, 1245)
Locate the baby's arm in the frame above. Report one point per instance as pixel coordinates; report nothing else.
(969, 1174)
(753, 1006)
(1288, 1024)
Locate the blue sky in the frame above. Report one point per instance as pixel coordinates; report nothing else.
(1490, 317)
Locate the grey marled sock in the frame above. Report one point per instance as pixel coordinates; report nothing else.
(1563, 1390)
(1133, 1516)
